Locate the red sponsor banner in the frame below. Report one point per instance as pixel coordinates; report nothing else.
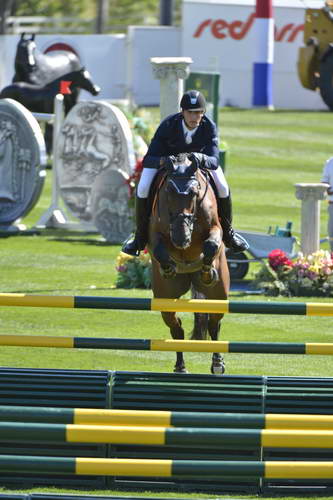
(237, 30)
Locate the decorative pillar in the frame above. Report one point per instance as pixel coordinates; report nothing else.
(310, 194)
(264, 55)
(171, 71)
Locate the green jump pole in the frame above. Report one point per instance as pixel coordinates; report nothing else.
(166, 345)
(176, 305)
(165, 436)
(165, 468)
(159, 418)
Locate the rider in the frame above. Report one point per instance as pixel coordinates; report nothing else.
(189, 131)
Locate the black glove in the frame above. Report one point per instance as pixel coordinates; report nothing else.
(168, 162)
(199, 159)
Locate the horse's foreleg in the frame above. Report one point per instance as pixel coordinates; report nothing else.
(211, 246)
(161, 254)
(214, 325)
(177, 333)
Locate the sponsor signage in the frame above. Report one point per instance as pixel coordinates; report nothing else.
(238, 30)
(220, 36)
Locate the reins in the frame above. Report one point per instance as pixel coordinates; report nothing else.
(205, 176)
(157, 190)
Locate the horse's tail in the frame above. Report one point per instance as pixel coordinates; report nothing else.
(200, 329)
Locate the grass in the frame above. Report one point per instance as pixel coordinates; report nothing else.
(268, 153)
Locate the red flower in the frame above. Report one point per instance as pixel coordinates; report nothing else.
(133, 180)
(278, 258)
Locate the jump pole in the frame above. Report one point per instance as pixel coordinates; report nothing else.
(166, 468)
(172, 305)
(197, 437)
(163, 418)
(166, 345)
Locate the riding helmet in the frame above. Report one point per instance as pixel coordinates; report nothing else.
(193, 100)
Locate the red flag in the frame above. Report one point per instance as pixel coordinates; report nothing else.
(64, 87)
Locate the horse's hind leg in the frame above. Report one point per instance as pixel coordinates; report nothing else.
(214, 325)
(177, 333)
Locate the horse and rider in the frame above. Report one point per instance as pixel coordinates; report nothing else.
(189, 131)
(189, 221)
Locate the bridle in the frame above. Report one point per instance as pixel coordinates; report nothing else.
(187, 181)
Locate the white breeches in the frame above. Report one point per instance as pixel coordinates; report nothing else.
(148, 175)
(146, 179)
(220, 182)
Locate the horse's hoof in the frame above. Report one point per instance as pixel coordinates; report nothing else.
(180, 369)
(209, 278)
(217, 369)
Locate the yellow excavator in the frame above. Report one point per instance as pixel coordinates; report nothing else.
(315, 59)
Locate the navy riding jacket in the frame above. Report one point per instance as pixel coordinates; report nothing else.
(169, 140)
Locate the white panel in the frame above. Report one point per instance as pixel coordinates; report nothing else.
(144, 43)
(102, 55)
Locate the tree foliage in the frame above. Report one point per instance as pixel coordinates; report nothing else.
(49, 7)
(120, 12)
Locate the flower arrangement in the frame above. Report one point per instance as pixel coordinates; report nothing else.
(133, 272)
(133, 181)
(310, 275)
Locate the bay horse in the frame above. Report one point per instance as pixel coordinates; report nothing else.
(186, 248)
(32, 66)
(40, 98)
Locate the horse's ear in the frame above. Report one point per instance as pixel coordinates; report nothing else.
(32, 36)
(22, 36)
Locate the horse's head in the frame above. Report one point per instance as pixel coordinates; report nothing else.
(182, 190)
(25, 53)
(84, 81)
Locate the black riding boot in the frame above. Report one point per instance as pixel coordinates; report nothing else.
(134, 245)
(232, 240)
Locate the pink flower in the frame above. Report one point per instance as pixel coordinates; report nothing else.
(121, 269)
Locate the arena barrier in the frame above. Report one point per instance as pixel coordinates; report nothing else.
(176, 305)
(108, 417)
(198, 437)
(75, 496)
(166, 345)
(167, 468)
(79, 392)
